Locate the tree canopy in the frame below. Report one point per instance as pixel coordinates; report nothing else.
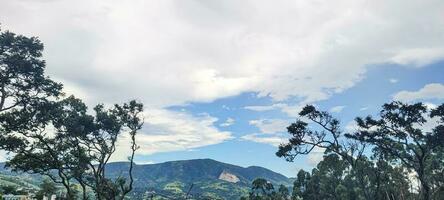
(53, 135)
(374, 161)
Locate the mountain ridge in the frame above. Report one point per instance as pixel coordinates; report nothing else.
(209, 178)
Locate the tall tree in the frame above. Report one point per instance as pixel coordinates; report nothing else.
(400, 132)
(300, 185)
(47, 188)
(326, 135)
(80, 145)
(56, 137)
(359, 176)
(23, 84)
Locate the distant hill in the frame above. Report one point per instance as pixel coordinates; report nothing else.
(210, 178)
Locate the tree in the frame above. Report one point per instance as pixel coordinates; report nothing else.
(80, 147)
(304, 139)
(327, 136)
(400, 133)
(46, 152)
(102, 144)
(346, 171)
(300, 185)
(58, 138)
(23, 84)
(9, 189)
(261, 189)
(47, 188)
(283, 193)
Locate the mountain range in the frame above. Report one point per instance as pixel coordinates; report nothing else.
(201, 178)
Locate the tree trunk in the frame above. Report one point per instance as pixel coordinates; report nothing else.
(425, 188)
(425, 191)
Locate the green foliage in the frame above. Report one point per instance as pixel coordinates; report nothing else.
(23, 86)
(57, 137)
(400, 144)
(400, 134)
(47, 188)
(262, 189)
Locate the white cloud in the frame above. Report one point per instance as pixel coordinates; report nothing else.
(270, 126)
(429, 91)
(168, 53)
(351, 127)
(166, 131)
(225, 107)
(230, 121)
(430, 123)
(337, 109)
(363, 108)
(274, 140)
(315, 156)
(265, 108)
(175, 52)
(418, 57)
(4, 156)
(290, 110)
(393, 80)
(272, 131)
(145, 162)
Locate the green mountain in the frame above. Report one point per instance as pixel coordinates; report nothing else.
(208, 177)
(203, 178)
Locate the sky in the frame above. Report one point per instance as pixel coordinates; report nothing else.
(223, 79)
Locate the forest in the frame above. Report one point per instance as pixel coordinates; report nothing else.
(397, 155)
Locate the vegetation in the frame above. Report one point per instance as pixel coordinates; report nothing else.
(376, 161)
(47, 188)
(55, 136)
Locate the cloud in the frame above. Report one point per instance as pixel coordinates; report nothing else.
(230, 121)
(393, 80)
(271, 126)
(351, 127)
(225, 107)
(272, 131)
(274, 140)
(429, 91)
(166, 131)
(145, 162)
(418, 57)
(337, 109)
(176, 52)
(290, 110)
(4, 156)
(363, 109)
(265, 108)
(167, 53)
(315, 156)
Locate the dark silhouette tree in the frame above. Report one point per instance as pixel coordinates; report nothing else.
(23, 84)
(80, 146)
(358, 175)
(58, 138)
(400, 134)
(262, 189)
(300, 185)
(328, 136)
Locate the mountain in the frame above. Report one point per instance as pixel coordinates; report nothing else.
(208, 178)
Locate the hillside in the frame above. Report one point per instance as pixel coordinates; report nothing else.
(210, 178)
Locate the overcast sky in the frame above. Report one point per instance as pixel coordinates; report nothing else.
(222, 79)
